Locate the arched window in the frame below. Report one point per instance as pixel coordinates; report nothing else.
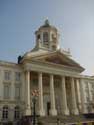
(45, 37)
(17, 112)
(5, 112)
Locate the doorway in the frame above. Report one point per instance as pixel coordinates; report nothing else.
(48, 108)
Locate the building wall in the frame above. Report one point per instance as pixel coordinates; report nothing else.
(11, 101)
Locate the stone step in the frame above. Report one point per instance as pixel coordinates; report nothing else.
(63, 119)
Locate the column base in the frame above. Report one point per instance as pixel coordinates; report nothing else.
(42, 113)
(28, 112)
(75, 111)
(65, 112)
(84, 111)
(53, 112)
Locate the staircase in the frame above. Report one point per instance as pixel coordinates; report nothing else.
(61, 120)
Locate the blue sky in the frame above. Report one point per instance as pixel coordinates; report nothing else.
(74, 19)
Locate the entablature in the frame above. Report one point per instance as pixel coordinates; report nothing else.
(50, 68)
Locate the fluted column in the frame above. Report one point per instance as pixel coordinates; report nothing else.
(41, 108)
(73, 94)
(83, 100)
(52, 97)
(65, 109)
(28, 105)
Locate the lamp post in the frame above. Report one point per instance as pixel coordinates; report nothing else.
(35, 94)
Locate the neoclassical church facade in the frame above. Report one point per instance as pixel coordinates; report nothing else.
(62, 91)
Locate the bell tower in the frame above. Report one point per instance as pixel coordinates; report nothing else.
(47, 37)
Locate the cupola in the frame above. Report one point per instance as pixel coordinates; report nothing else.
(47, 37)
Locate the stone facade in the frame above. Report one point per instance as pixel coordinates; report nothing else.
(63, 90)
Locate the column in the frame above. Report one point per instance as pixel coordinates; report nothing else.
(73, 95)
(90, 98)
(78, 91)
(28, 105)
(84, 109)
(65, 109)
(41, 109)
(78, 94)
(52, 97)
(89, 92)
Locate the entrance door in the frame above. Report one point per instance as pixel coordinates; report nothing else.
(48, 108)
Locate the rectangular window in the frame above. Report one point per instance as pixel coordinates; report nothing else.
(5, 112)
(7, 75)
(17, 76)
(17, 92)
(6, 91)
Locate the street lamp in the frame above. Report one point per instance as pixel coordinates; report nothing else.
(35, 94)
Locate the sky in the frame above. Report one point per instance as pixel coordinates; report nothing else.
(74, 19)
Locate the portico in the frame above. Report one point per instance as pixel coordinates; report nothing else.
(41, 85)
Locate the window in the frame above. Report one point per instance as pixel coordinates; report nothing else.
(17, 76)
(6, 91)
(45, 37)
(17, 112)
(7, 75)
(5, 112)
(17, 92)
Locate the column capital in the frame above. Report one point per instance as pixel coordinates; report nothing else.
(39, 72)
(63, 76)
(51, 75)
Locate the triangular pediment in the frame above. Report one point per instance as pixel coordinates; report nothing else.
(58, 59)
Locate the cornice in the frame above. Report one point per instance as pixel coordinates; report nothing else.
(10, 64)
(4, 101)
(39, 66)
(40, 57)
(54, 65)
(50, 69)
